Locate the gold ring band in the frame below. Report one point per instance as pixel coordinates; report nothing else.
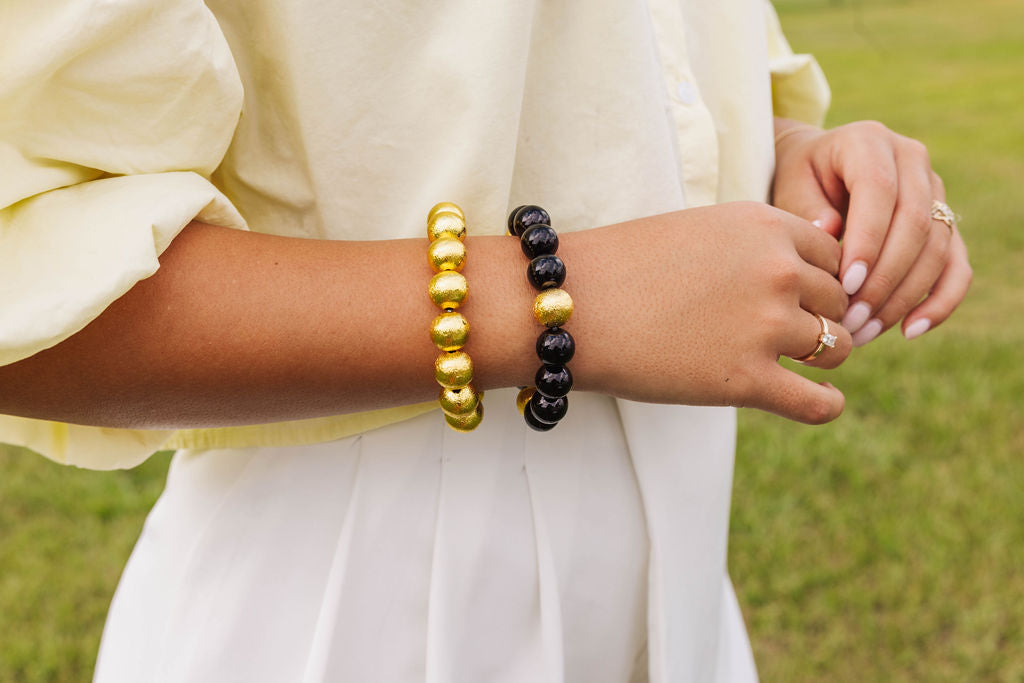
(942, 212)
(825, 340)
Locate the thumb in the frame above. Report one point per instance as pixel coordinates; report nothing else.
(803, 196)
(794, 397)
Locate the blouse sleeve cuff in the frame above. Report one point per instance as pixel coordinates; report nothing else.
(65, 256)
(799, 88)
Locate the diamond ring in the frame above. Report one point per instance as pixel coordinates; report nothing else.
(942, 212)
(825, 339)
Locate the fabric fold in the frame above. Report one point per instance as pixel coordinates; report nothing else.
(799, 88)
(683, 458)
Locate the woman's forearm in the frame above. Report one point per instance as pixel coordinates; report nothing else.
(242, 328)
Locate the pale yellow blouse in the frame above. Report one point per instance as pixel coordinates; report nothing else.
(121, 122)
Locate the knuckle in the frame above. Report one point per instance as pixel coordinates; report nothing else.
(776, 322)
(880, 282)
(896, 307)
(919, 219)
(784, 276)
(884, 180)
(872, 127)
(769, 217)
(917, 149)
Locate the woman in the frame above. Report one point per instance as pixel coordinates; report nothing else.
(293, 544)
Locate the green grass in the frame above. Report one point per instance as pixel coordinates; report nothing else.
(64, 536)
(887, 546)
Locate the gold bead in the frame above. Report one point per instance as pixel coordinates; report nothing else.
(524, 396)
(552, 307)
(448, 289)
(466, 423)
(445, 223)
(445, 207)
(458, 402)
(453, 370)
(446, 253)
(449, 331)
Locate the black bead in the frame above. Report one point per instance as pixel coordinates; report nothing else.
(535, 424)
(553, 380)
(546, 271)
(555, 346)
(525, 216)
(548, 410)
(511, 217)
(539, 240)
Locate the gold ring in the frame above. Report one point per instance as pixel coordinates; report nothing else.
(825, 339)
(942, 212)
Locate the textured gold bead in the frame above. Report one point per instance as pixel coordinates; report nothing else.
(448, 289)
(446, 224)
(446, 253)
(523, 397)
(552, 307)
(445, 207)
(466, 423)
(453, 370)
(449, 331)
(457, 402)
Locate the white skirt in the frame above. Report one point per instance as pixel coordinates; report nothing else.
(591, 553)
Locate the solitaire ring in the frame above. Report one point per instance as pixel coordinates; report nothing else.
(942, 212)
(825, 339)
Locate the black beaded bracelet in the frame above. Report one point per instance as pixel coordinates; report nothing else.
(544, 404)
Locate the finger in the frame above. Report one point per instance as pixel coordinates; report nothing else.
(918, 282)
(913, 288)
(802, 339)
(821, 293)
(786, 393)
(815, 246)
(949, 291)
(802, 195)
(912, 227)
(867, 167)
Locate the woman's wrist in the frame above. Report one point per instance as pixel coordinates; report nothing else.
(786, 129)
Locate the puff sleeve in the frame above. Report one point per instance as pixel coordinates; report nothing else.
(113, 116)
(799, 88)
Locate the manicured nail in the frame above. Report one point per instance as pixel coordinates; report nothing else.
(854, 277)
(868, 332)
(917, 328)
(856, 316)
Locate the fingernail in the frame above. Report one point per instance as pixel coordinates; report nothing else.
(854, 277)
(868, 332)
(917, 328)
(818, 223)
(856, 316)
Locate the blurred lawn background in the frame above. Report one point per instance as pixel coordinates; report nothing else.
(888, 546)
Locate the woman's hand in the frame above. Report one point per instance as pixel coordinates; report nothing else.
(696, 307)
(875, 188)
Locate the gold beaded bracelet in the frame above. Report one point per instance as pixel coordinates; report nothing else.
(462, 405)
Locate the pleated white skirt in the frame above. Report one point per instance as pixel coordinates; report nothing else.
(414, 553)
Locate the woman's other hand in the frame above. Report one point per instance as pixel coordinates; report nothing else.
(875, 188)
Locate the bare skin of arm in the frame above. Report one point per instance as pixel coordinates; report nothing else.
(243, 328)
